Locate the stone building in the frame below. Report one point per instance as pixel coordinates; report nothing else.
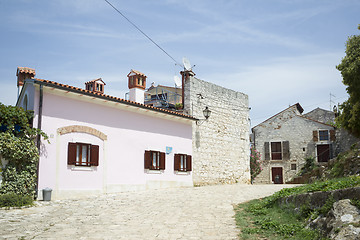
(287, 138)
(220, 142)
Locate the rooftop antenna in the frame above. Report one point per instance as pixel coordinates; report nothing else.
(331, 101)
(177, 81)
(186, 63)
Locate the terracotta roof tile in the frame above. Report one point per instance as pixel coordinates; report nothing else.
(104, 96)
(25, 70)
(139, 73)
(98, 79)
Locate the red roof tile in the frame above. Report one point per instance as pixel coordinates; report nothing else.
(25, 70)
(112, 98)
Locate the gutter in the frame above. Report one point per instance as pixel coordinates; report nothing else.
(38, 138)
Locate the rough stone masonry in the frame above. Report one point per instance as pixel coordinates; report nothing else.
(220, 143)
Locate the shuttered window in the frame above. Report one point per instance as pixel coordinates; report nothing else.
(276, 151)
(182, 163)
(83, 154)
(323, 135)
(154, 160)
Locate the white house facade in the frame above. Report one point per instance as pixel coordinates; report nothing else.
(100, 143)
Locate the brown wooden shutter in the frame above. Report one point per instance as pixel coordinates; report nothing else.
(71, 153)
(147, 159)
(286, 150)
(176, 162)
(94, 155)
(315, 136)
(332, 135)
(188, 163)
(267, 151)
(162, 161)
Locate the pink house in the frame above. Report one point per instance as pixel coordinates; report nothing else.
(102, 144)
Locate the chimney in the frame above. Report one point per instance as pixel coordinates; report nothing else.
(137, 85)
(96, 85)
(22, 74)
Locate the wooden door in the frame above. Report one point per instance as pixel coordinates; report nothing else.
(277, 175)
(323, 152)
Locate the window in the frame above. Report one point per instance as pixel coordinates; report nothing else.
(276, 151)
(154, 160)
(323, 135)
(293, 166)
(83, 154)
(182, 163)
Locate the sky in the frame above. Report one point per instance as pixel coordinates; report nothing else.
(278, 52)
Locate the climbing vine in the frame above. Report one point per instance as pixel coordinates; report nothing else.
(18, 151)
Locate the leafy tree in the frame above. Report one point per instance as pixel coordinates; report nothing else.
(349, 67)
(18, 150)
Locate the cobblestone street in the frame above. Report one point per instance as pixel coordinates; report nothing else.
(177, 213)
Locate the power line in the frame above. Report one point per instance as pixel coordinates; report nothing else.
(143, 32)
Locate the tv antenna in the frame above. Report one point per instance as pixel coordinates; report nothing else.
(186, 63)
(177, 81)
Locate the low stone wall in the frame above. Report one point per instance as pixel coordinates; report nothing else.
(316, 200)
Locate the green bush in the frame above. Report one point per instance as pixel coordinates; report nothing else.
(14, 200)
(309, 165)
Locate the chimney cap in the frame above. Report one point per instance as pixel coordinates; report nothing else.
(136, 73)
(25, 70)
(95, 80)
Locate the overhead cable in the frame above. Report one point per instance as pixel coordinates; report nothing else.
(143, 32)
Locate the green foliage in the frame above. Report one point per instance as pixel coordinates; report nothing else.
(18, 151)
(258, 221)
(255, 166)
(329, 185)
(16, 121)
(350, 71)
(14, 200)
(327, 206)
(178, 106)
(309, 165)
(356, 203)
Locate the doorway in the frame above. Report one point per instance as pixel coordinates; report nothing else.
(277, 175)
(323, 152)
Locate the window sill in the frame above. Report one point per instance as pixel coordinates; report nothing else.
(182, 172)
(82, 168)
(149, 171)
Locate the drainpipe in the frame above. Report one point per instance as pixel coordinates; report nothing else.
(38, 140)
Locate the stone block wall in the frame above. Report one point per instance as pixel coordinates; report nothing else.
(220, 143)
(287, 126)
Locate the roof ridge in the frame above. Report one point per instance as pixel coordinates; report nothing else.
(113, 98)
(315, 120)
(296, 104)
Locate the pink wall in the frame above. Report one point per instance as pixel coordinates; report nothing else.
(121, 161)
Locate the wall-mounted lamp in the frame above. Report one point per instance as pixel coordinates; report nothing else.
(206, 113)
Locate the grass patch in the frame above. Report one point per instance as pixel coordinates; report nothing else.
(14, 200)
(329, 185)
(267, 219)
(258, 221)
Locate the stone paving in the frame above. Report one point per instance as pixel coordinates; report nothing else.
(177, 213)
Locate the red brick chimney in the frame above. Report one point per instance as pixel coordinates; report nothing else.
(24, 73)
(137, 85)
